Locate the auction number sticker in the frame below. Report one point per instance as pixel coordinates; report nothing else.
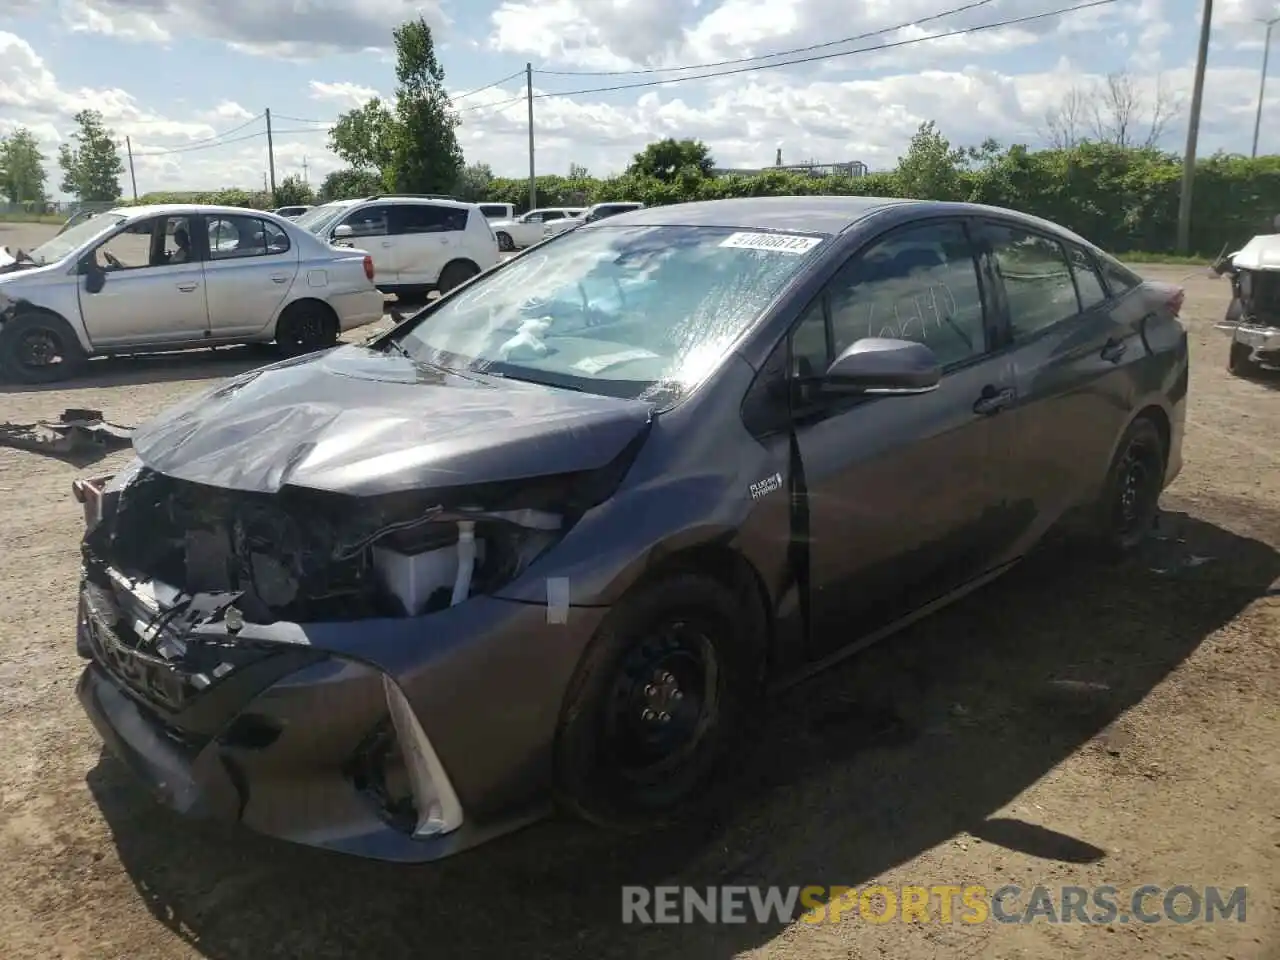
(779, 242)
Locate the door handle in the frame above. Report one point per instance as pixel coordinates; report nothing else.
(386, 243)
(279, 279)
(1113, 350)
(992, 400)
(187, 287)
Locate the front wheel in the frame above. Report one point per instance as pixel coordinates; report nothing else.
(39, 348)
(659, 702)
(505, 243)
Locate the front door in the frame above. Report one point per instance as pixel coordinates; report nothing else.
(901, 497)
(371, 232)
(250, 269)
(155, 286)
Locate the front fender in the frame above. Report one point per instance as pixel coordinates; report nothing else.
(60, 299)
(614, 544)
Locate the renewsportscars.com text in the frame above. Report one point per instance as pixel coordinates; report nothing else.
(945, 904)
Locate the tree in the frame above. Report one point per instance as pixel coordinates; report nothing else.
(349, 183)
(665, 159)
(91, 169)
(930, 169)
(578, 172)
(365, 138)
(22, 173)
(474, 182)
(1113, 111)
(427, 157)
(293, 191)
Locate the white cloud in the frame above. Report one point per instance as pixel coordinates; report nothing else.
(343, 95)
(304, 30)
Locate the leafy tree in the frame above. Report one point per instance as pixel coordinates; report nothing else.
(91, 169)
(427, 155)
(665, 160)
(294, 191)
(349, 184)
(365, 138)
(22, 173)
(930, 170)
(473, 182)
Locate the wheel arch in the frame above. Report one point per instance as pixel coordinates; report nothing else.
(308, 303)
(20, 307)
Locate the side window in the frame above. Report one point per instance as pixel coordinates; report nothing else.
(367, 222)
(533, 216)
(130, 249)
(919, 283)
(1037, 279)
(1088, 283)
(417, 218)
(234, 238)
(553, 215)
(176, 244)
(1120, 279)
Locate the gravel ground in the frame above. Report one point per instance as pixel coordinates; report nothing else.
(953, 754)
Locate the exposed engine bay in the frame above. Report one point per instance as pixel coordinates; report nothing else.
(303, 555)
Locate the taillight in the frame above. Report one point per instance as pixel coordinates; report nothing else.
(368, 268)
(1175, 301)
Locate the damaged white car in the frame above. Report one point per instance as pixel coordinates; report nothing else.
(152, 278)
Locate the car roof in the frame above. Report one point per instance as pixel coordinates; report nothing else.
(829, 215)
(156, 209)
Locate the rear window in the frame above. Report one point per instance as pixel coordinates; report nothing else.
(494, 211)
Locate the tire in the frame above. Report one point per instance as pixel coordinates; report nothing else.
(1238, 360)
(685, 647)
(39, 347)
(505, 243)
(455, 274)
(1130, 502)
(305, 327)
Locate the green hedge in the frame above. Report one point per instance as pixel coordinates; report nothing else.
(1123, 200)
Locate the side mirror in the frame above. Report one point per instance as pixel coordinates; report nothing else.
(881, 365)
(95, 278)
(343, 232)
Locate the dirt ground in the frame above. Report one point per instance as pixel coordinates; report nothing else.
(952, 754)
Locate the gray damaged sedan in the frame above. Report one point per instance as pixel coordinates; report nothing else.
(550, 539)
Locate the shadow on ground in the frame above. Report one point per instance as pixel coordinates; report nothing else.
(135, 369)
(866, 766)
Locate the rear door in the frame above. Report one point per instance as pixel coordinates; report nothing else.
(427, 236)
(250, 267)
(902, 496)
(1072, 345)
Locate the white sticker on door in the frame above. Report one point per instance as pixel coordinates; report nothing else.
(778, 242)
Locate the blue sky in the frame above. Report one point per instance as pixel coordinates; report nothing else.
(173, 75)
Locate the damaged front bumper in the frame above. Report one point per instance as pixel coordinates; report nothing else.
(402, 738)
(1263, 340)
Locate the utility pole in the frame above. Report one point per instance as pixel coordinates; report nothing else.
(1193, 132)
(305, 178)
(533, 180)
(1262, 84)
(128, 145)
(271, 156)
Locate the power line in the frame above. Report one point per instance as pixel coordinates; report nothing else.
(487, 86)
(765, 56)
(829, 56)
(202, 146)
(206, 142)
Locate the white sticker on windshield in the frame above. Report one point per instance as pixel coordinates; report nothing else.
(779, 242)
(593, 365)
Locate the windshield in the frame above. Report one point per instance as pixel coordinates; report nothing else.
(636, 312)
(67, 242)
(318, 219)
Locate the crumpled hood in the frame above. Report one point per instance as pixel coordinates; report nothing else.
(360, 422)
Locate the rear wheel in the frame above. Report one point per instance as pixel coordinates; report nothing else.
(1131, 499)
(304, 328)
(456, 273)
(659, 702)
(505, 243)
(39, 347)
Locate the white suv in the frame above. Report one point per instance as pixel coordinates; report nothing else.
(526, 230)
(418, 244)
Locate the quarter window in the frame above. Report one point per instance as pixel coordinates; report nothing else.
(1037, 279)
(920, 283)
(1120, 279)
(234, 238)
(1088, 283)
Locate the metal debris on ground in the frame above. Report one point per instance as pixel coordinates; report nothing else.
(77, 434)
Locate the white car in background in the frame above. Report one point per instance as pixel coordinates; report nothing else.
(171, 276)
(498, 211)
(418, 244)
(291, 213)
(600, 211)
(530, 228)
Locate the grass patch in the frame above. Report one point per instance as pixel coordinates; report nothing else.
(18, 217)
